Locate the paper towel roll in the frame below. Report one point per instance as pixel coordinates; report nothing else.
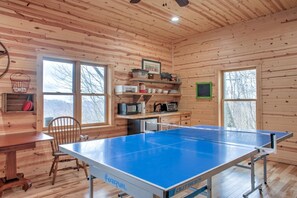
(142, 107)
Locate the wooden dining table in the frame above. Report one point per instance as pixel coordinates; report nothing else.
(9, 145)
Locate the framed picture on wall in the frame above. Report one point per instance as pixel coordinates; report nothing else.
(154, 67)
(204, 90)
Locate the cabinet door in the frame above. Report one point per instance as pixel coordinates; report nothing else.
(171, 119)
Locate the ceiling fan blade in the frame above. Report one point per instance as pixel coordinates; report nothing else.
(134, 1)
(182, 3)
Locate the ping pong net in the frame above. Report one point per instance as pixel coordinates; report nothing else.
(264, 141)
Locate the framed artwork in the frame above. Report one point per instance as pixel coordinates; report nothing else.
(154, 67)
(204, 90)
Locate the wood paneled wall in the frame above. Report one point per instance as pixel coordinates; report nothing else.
(269, 43)
(29, 31)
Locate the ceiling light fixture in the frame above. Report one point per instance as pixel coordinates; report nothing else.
(181, 3)
(175, 19)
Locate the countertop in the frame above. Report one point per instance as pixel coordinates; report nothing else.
(152, 115)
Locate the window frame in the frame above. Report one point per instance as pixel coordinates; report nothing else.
(76, 91)
(257, 100)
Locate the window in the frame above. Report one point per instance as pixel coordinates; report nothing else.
(76, 89)
(239, 99)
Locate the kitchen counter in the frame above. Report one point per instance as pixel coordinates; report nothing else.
(152, 115)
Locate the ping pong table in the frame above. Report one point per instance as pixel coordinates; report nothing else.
(162, 164)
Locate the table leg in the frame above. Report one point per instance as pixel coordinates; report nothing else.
(12, 178)
(253, 181)
(10, 169)
(209, 188)
(91, 186)
(265, 169)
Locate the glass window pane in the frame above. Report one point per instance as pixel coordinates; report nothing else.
(93, 109)
(240, 114)
(55, 106)
(92, 79)
(57, 76)
(240, 84)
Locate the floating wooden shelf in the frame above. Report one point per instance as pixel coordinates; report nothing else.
(154, 81)
(147, 94)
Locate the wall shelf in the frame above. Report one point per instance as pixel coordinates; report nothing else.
(147, 94)
(154, 81)
(13, 102)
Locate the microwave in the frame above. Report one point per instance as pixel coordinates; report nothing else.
(129, 108)
(126, 88)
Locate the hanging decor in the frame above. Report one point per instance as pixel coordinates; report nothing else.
(20, 82)
(4, 60)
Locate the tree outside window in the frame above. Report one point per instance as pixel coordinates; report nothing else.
(239, 99)
(75, 89)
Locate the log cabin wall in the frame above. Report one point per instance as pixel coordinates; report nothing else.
(269, 43)
(30, 29)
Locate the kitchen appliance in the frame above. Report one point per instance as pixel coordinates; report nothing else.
(168, 106)
(129, 108)
(171, 106)
(126, 89)
(136, 126)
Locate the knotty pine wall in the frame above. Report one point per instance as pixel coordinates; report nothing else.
(269, 43)
(28, 31)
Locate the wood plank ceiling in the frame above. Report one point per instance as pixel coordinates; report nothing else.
(151, 19)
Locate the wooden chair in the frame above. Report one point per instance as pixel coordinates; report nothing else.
(64, 130)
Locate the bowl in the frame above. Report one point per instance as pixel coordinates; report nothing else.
(165, 91)
(159, 90)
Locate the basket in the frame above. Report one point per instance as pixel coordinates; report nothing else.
(20, 82)
(140, 73)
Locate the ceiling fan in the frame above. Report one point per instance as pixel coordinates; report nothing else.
(181, 3)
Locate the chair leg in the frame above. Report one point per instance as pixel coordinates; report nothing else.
(85, 169)
(55, 170)
(52, 167)
(77, 164)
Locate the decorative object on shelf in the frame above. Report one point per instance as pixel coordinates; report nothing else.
(142, 88)
(204, 90)
(174, 78)
(20, 82)
(166, 76)
(140, 73)
(154, 67)
(156, 77)
(150, 76)
(28, 104)
(4, 60)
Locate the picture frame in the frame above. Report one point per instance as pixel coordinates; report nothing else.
(154, 67)
(204, 90)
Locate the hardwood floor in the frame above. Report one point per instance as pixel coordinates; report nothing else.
(232, 183)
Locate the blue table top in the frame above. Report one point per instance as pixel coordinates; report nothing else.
(168, 158)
